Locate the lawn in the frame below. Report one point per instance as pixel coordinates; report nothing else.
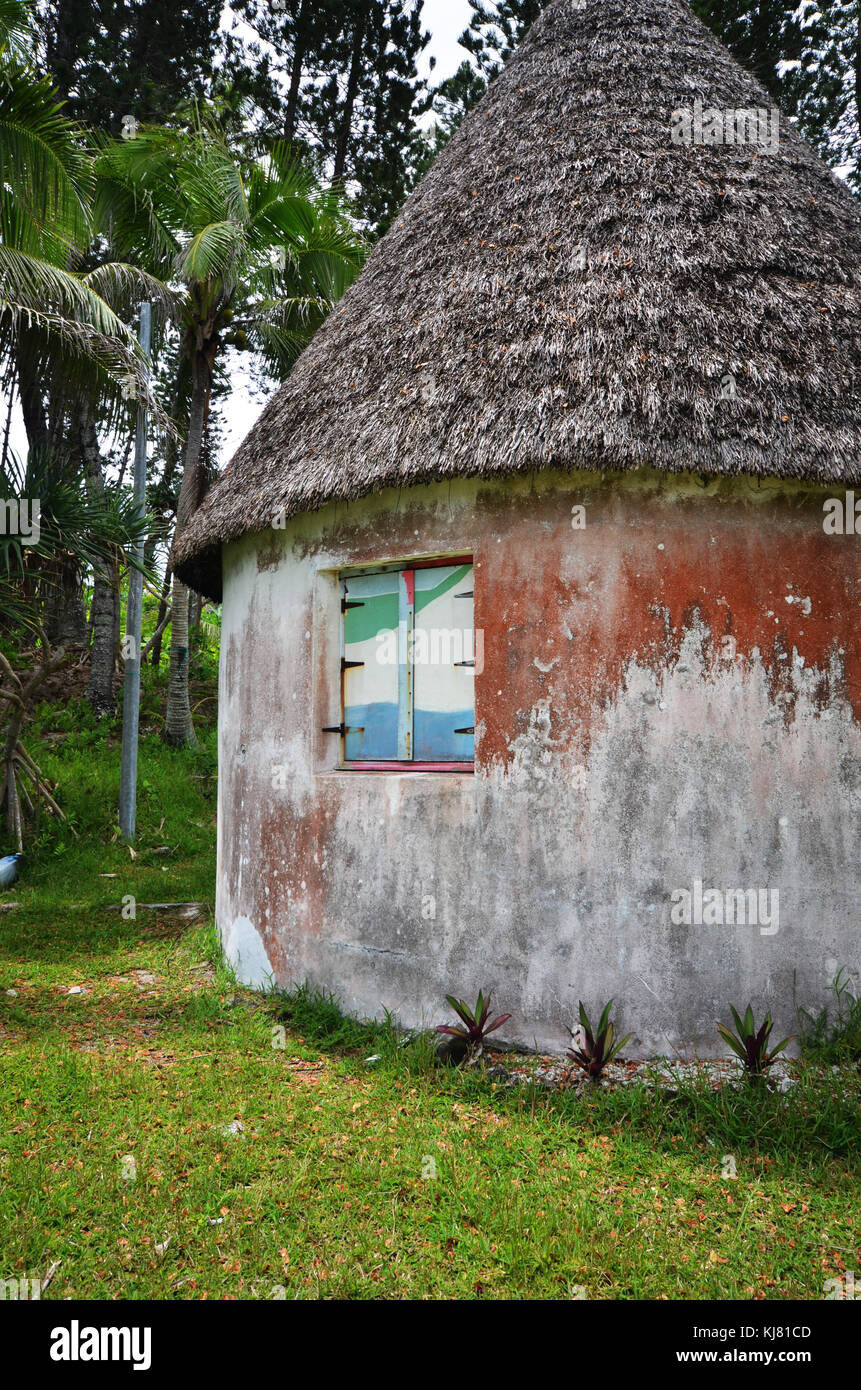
(168, 1134)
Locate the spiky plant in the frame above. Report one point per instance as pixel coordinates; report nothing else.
(597, 1046)
(751, 1043)
(476, 1027)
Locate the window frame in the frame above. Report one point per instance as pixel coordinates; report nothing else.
(405, 764)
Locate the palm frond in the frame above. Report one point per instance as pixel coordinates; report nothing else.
(123, 286)
(42, 156)
(28, 281)
(17, 31)
(213, 254)
(71, 521)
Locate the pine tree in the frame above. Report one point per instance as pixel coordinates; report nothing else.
(762, 36)
(808, 57)
(285, 53)
(495, 31)
(385, 147)
(340, 78)
(492, 35)
(141, 58)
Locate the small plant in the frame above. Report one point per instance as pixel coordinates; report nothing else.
(597, 1046)
(469, 1040)
(751, 1044)
(834, 1037)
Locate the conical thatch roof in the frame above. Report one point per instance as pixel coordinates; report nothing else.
(569, 286)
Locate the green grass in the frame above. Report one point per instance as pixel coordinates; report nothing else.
(349, 1179)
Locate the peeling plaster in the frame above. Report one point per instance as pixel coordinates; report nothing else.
(244, 949)
(653, 710)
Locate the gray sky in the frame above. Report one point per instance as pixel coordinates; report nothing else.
(446, 20)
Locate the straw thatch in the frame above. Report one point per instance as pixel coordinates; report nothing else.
(569, 287)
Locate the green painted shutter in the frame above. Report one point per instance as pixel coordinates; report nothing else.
(371, 667)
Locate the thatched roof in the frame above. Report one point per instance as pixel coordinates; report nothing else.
(569, 287)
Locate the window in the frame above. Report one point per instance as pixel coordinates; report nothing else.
(408, 666)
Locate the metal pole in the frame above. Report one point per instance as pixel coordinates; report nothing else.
(134, 613)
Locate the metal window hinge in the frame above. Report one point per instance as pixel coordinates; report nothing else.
(465, 731)
(467, 593)
(344, 729)
(464, 663)
(348, 665)
(346, 603)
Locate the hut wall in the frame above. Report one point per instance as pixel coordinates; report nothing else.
(670, 698)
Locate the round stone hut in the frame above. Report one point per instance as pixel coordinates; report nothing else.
(540, 667)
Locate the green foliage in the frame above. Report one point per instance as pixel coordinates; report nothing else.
(476, 1026)
(81, 757)
(44, 163)
(597, 1047)
(834, 1035)
(317, 1016)
(17, 30)
(491, 37)
(71, 521)
(751, 1043)
(340, 80)
(115, 59)
(495, 31)
(260, 248)
(54, 324)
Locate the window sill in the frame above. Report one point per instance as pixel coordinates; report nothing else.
(403, 769)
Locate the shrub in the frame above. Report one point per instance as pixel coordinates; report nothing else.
(597, 1047)
(469, 1040)
(751, 1043)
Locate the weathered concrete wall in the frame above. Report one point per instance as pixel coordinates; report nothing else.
(670, 695)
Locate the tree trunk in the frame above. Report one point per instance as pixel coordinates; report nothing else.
(65, 617)
(343, 145)
(195, 611)
(65, 614)
(179, 729)
(299, 49)
(30, 395)
(105, 608)
(155, 658)
(105, 619)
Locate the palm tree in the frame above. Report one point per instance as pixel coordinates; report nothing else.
(261, 254)
(69, 521)
(53, 322)
(65, 348)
